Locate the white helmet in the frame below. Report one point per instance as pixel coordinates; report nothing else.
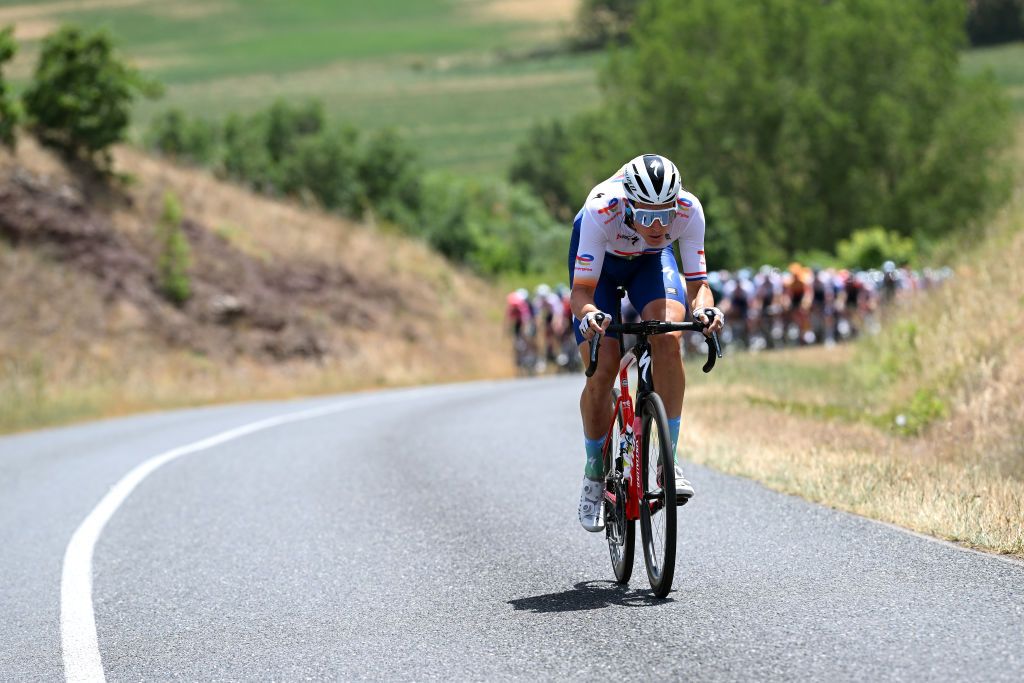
(652, 179)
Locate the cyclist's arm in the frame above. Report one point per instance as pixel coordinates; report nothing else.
(589, 259)
(582, 300)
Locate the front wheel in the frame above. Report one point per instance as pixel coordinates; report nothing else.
(658, 507)
(621, 532)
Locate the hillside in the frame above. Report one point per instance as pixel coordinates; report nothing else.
(286, 300)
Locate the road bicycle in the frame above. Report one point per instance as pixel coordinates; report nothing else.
(638, 461)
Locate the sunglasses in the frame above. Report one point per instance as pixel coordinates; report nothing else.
(646, 217)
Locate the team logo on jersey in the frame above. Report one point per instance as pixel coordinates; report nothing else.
(684, 202)
(584, 259)
(611, 206)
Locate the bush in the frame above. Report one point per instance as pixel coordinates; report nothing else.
(174, 254)
(174, 134)
(870, 247)
(286, 124)
(80, 98)
(325, 165)
(390, 172)
(8, 112)
(490, 225)
(246, 157)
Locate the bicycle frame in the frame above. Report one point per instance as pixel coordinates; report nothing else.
(640, 355)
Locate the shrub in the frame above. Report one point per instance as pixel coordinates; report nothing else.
(176, 135)
(870, 247)
(326, 166)
(8, 112)
(174, 255)
(80, 98)
(287, 124)
(390, 171)
(490, 225)
(246, 157)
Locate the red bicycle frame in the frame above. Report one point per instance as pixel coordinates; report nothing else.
(633, 438)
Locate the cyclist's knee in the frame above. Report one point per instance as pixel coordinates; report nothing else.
(603, 377)
(666, 344)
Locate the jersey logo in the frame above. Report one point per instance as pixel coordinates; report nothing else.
(584, 259)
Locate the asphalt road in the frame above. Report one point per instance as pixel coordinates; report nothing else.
(432, 533)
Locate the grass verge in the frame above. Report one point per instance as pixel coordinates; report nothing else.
(921, 426)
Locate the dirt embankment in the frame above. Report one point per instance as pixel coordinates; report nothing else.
(285, 300)
(240, 305)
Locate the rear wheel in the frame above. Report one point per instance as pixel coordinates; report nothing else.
(620, 532)
(658, 508)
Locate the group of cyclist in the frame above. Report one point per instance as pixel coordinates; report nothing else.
(766, 309)
(541, 329)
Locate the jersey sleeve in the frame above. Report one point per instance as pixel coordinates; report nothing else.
(589, 257)
(691, 242)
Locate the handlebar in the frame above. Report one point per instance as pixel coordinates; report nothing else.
(646, 328)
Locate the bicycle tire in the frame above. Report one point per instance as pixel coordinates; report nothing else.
(657, 514)
(619, 531)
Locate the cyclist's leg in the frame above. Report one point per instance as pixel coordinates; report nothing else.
(595, 407)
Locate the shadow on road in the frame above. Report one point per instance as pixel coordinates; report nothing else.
(588, 595)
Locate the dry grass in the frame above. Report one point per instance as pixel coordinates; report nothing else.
(860, 469)
(65, 354)
(817, 422)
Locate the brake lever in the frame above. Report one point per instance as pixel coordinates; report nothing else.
(595, 344)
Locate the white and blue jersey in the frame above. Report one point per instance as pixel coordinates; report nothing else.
(605, 252)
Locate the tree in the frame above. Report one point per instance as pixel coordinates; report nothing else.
(9, 114)
(80, 98)
(808, 120)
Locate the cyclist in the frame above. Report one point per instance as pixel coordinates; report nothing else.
(623, 235)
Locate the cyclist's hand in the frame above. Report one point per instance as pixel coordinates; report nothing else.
(712, 318)
(590, 326)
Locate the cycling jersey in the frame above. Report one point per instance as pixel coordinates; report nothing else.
(603, 231)
(605, 252)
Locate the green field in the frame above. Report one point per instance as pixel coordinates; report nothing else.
(454, 75)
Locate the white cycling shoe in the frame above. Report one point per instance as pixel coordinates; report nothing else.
(684, 489)
(591, 510)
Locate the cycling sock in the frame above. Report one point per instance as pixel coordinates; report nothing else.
(673, 430)
(595, 464)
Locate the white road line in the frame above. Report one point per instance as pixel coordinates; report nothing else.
(79, 644)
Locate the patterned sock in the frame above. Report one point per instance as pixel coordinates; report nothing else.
(595, 464)
(673, 430)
